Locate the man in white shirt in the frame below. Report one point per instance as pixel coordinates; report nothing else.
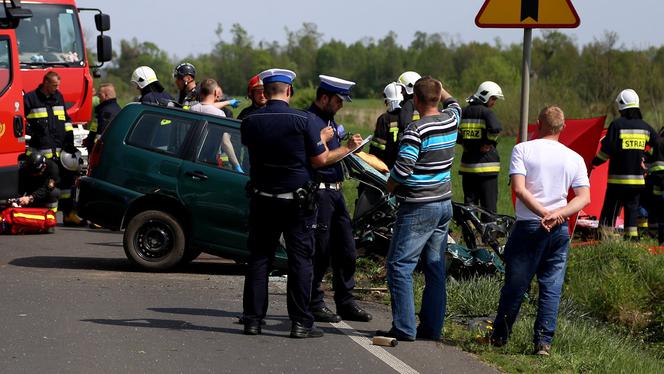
(541, 171)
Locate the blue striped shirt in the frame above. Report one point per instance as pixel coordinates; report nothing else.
(425, 156)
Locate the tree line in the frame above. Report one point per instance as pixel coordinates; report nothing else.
(583, 79)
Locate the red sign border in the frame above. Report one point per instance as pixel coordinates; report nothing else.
(522, 26)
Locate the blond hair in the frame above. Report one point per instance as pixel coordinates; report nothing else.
(552, 119)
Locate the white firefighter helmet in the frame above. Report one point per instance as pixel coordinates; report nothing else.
(393, 96)
(487, 90)
(627, 99)
(142, 76)
(407, 80)
(71, 161)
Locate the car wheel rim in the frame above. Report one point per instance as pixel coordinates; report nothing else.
(154, 240)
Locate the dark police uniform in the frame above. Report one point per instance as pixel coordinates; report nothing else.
(334, 233)
(479, 127)
(385, 142)
(280, 142)
(625, 145)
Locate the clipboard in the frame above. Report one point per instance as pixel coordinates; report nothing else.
(364, 142)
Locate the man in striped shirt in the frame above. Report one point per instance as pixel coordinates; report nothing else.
(420, 180)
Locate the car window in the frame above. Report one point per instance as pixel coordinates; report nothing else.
(222, 148)
(160, 133)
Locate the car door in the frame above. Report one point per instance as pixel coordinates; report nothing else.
(212, 187)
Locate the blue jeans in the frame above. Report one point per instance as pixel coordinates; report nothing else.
(531, 251)
(420, 231)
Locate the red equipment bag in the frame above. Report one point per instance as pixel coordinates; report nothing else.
(27, 220)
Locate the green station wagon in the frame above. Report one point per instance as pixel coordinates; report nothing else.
(168, 178)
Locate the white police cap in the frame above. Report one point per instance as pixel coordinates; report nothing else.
(338, 86)
(277, 75)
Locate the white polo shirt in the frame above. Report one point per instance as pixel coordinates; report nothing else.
(551, 169)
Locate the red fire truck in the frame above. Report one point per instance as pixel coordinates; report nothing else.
(37, 37)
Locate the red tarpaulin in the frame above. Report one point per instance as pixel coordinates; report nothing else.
(583, 136)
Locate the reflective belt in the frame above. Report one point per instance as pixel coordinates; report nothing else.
(657, 190)
(656, 166)
(37, 113)
(642, 222)
(65, 193)
(602, 156)
(631, 231)
(287, 195)
(627, 179)
(46, 152)
(485, 167)
(330, 186)
(378, 143)
(69, 127)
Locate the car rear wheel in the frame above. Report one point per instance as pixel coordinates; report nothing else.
(154, 240)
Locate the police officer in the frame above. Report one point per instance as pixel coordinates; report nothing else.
(625, 145)
(51, 132)
(408, 112)
(105, 111)
(478, 133)
(255, 93)
(152, 92)
(334, 233)
(385, 141)
(283, 150)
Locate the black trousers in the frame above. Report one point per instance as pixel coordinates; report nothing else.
(268, 219)
(480, 190)
(335, 241)
(652, 200)
(619, 196)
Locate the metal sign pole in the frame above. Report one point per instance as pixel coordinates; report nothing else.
(525, 82)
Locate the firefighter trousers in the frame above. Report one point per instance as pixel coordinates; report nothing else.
(627, 197)
(481, 190)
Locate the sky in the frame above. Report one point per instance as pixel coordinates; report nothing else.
(184, 28)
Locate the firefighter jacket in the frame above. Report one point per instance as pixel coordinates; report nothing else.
(38, 185)
(625, 144)
(385, 142)
(655, 166)
(188, 98)
(49, 125)
(407, 114)
(478, 133)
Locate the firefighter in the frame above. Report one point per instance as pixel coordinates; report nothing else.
(255, 93)
(152, 92)
(652, 200)
(37, 181)
(385, 142)
(408, 112)
(625, 144)
(478, 133)
(51, 132)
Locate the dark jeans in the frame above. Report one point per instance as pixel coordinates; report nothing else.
(268, 219)
(480, 190)
(334, 240)
(530, 251)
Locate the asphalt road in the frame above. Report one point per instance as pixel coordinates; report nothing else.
(70, 303)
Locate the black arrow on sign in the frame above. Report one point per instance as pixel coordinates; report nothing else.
(529, 8)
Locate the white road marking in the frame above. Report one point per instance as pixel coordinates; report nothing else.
(364, 342)
(380, 353)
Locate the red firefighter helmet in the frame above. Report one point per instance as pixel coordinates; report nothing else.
(254, 82)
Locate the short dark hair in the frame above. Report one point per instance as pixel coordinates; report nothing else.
(48, 76)
(208, 86)
(274, 88)
(428, 90)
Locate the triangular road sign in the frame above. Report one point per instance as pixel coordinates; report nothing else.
(528, 14)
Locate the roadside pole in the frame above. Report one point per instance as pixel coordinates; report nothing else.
(525, 83)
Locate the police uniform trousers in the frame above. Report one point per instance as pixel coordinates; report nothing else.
(480, 190)
(268, 218)
(627, 197)
(335, 241)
